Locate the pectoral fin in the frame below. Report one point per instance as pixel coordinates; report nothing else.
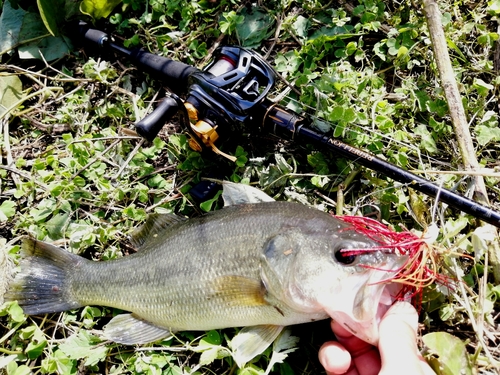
(251, 341)
(129, 330)
(239, 291)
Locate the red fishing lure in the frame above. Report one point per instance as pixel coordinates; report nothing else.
(419, 271)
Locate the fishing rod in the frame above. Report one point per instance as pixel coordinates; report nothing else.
(230, 94)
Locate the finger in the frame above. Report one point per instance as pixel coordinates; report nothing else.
(334, 358)
(353, 344)
(398, 341)
(365, 357)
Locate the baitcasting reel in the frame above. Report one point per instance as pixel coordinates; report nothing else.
(221, 99)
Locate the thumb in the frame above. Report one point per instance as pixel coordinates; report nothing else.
(398, 341)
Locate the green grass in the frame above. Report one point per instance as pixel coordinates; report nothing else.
(72, 173)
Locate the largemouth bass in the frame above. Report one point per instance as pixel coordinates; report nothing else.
(261, 265)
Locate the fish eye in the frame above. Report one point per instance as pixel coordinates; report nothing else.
(344, 258)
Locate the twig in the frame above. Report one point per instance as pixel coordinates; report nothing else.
(340, 200)
(25, 176)
(6, 146)
(450, 87)
(120, 137)
(328, 200)
(496, 55)
(24, 42)
(483, 173)
(31, 73)
(169, 198)
(132, 154)
(464, 301)
(27, 97)
(49, 128)
(97, 157)
(279, 22)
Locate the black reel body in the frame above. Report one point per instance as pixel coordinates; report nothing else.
(224, 97)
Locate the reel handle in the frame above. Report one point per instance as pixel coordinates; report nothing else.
(150, 126)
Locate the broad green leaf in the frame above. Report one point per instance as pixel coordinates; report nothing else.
(272, 176)
(7, 210)
(56, 225)
(451, 44)
(287, 63)
(251, 370)
(453, 227)
(134, 213)
(241, 156)
(349, 115)
(329, 33)
(84, 345)
(494, 6)
(322, 126)
(301, 27)
(282, 164)
(446, 18)
(487, 134)
(21, 370)
(318, 162)
(482, 87)
(35, 348)
(98, 8)
(481, 240)
(11, 22)
(438, 106)
(28, 332)
(208, 356)
(337, 114)
(452, 357)
(44, 209)
(14, 311)
(207, 205)
(158, 182)
(420, 208)
(27, 32)
(257, 27)
(32, 29)
(229, 21)
(426, 140)
(5, 360)
(52, 13)
(59, 363)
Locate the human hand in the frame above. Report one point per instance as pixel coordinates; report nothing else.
(397, 351)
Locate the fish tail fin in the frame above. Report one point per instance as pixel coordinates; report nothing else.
(42, 285)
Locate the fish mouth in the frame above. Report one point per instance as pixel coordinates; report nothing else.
(361, 312)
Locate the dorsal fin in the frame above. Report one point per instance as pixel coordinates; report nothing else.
(154, 225)
(234, 193)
